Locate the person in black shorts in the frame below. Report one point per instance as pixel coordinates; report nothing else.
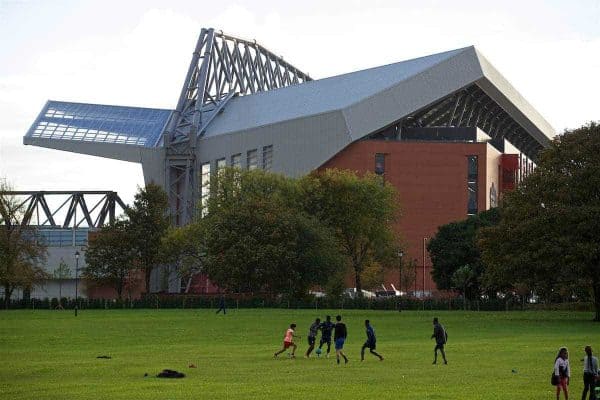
(371, 342)
(441, 337)
(326, 329)
(312, 336)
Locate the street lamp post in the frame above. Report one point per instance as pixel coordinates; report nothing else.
(76, 281)
(400, 255)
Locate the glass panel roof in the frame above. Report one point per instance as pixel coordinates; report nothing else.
(100, 123)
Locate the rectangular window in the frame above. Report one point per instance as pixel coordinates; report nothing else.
(380, 164)
(252, 159)
(221, 164)
(472, 174)
(205, 186)
(267, 157)
(236, 160)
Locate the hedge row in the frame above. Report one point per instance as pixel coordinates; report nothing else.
(387, 303)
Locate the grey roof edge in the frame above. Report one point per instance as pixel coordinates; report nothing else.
(498, 87)
(235, 132)
(115, 151)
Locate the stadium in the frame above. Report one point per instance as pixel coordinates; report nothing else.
(447, 130)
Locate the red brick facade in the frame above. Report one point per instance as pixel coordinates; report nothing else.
(431, 179)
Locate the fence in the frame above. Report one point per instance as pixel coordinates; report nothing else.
(386, 303)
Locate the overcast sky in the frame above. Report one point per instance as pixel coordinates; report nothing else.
(137, 52)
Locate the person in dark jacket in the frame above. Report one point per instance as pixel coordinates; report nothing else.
(222, 305)
(371, 342)
(339, 337)
(326, 328)
(441, 337)
(590, 374)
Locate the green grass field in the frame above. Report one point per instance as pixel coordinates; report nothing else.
(52, 355)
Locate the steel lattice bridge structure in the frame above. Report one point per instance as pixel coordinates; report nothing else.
(242, 105)
(64, 209)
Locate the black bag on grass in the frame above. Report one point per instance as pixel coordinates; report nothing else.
(169, 373)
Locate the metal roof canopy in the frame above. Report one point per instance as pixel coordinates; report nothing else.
(100, 123)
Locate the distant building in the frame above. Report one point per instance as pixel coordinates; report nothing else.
(448, 130)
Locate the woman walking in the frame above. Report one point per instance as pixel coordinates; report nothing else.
(562, 370)
(590, 374)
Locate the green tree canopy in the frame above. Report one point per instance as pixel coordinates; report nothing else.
(548, 234)
(454, 245)
(256, 237)
(21, 251)
(110, 258)
(149, 223)
(360, 210)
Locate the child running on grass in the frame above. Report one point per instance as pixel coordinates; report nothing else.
(312, 336)
(288, 341)
(371, 342)
(326, 329)
(340, 333)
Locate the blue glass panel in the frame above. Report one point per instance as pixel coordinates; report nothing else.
(100, 123)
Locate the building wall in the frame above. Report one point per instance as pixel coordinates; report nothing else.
(431, 179)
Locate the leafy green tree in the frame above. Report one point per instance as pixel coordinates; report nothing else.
(455, 245)
(548, 234)
(149, 223)
(184, 247)
(360, 210)
(110, 258)
(21, 253)
(60, 273)
(255, 237)
(463, 278)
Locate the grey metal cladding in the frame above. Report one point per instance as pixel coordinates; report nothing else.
(299, 145)
(318, 96)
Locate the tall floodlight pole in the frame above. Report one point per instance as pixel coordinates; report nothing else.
(76, 281)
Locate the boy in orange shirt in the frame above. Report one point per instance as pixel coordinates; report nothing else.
(288, 341)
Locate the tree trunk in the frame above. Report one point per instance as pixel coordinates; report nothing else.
(596, 288)
(358, 282)
(7, 294)
(147, 271)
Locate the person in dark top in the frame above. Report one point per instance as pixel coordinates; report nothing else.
(312, 336)
(222, 305)
(441, 337)
(371, 342)
(339, 337)
(326, 328)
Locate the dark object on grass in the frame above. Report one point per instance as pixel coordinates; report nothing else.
(107, 357)
(145, 375)
(169, 373)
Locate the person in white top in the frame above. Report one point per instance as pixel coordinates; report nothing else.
(563, 371)
(590, 374)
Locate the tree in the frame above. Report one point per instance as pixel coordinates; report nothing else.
(110, 258)
(257, 238)
(21, 251)
(455, 245)
(360, 210)
(462, 279)
(548, 234)
(149, 222)
(60, 273)
(184, 247)
(408, 275)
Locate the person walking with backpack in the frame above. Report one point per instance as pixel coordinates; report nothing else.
(563, 371)
(441, 337)
(590, 374)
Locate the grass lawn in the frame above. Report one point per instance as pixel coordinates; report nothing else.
(52, 355)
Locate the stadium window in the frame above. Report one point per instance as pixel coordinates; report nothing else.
(205, 188)
(221, 164)
(472, 174)
(267, 157)
(252, 159)
(236, 160)
(380, 164)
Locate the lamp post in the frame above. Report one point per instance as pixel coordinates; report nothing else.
(400, 255)
(76, 280)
